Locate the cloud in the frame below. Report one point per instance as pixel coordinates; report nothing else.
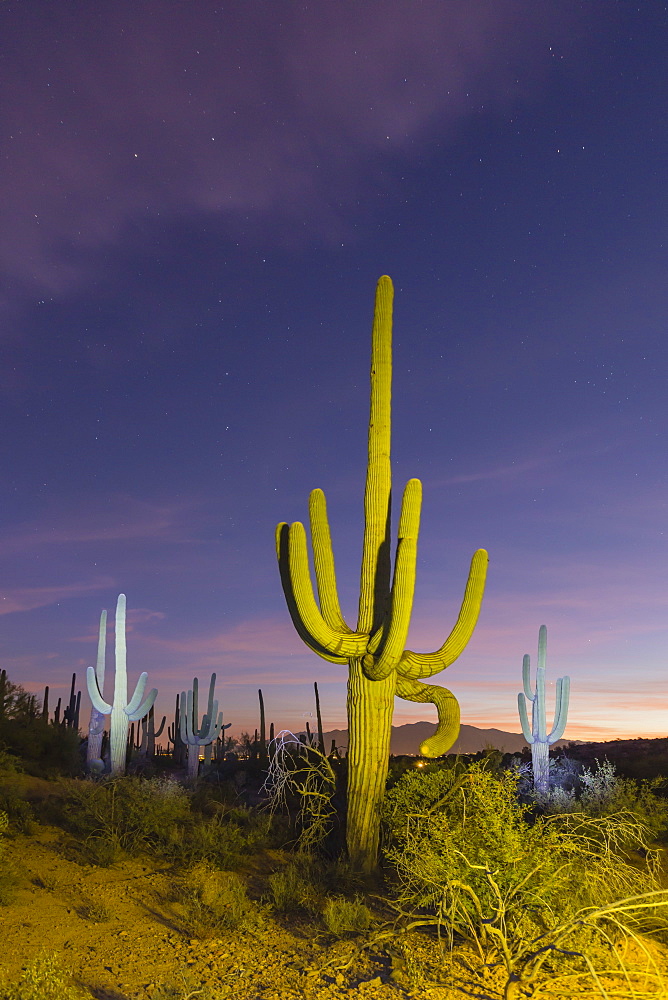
(13, 599)
(142, 112)
(107, 519)
(256, 638)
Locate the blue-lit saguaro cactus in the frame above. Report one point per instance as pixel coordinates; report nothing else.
(379, 665)
(96, 723)
(212, 723)
(122, 712)
(536, 734)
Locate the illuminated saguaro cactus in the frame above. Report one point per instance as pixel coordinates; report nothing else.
(122, 712)
(536, 734)
(379, 666)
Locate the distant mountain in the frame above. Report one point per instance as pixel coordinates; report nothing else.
(407, 739)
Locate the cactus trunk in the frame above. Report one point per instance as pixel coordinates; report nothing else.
(370, 709)
(540, 765)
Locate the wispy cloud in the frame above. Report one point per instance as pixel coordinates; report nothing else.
(242, 111)
(110, 519)
(28, 598)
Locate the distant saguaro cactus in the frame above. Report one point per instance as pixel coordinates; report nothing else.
(379, 665)
(122, 711)
(536, 734)
(212, 724)
(96, 721)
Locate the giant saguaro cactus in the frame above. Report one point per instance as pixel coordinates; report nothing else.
(96, 721)
(536, 734)
(379, 666)
(122, 711)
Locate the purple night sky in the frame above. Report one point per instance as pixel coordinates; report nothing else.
(198, 199)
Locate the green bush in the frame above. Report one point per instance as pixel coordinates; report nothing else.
(43, 979)
(212, 900)
(297, 887)
(45, 750)
(600, 791)
(124, 814)
(464, 850)
(345, 917)
(8, 874)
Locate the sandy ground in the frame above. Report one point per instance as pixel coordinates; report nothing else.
(142, 950)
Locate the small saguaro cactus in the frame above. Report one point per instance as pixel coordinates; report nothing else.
(536, 734)
(96, 722)
(212, 724)
(379, 665)
(122, 712)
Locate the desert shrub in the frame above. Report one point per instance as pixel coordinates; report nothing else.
(124, 814)
(302, 780)
(43, 979)
(223, 839)
(13, 802)
(297, 887)
(465, 851)
(44, 749)
(10, 763)
(9, 877)
(600, 791)
(345, 917)
(95, 911)
(212, 900)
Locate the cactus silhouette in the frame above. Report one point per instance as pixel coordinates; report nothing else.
(207, 733)
(379, 666)
(536, 734)
(96, 722)
(122, 711)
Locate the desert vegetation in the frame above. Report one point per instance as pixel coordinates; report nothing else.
(483, 882)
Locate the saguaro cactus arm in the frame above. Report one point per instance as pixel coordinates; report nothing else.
(282, 552)
(98, 701)
(524, 718)
(323, 561)
(137, 709)
(447, 707)
(561, 713)
(338, 641)
(427, 664)
(387, 645)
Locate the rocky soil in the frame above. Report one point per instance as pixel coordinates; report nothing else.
(122, 934)
(122, 937)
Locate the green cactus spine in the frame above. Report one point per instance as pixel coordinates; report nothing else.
(536, 734)
(379, 666)
(96, 721)
(212, 724)
(122, 712)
